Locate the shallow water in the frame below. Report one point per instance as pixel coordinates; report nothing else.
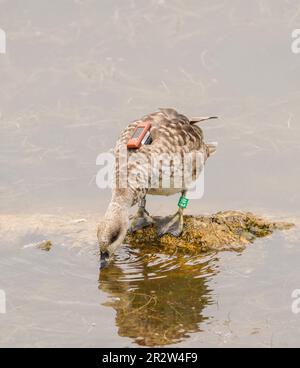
(147, 297)
(75, 73)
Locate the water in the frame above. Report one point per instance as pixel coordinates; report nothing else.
(75, 73)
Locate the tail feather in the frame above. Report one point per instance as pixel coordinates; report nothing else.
(200, 119)
(211, 147)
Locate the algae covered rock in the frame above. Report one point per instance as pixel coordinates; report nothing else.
(230, 230)
(45, 245)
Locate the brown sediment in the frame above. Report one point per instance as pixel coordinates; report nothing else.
(45, 245)
(229, 230)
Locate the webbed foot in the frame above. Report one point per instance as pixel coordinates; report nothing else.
(141, 220)
(170, 224)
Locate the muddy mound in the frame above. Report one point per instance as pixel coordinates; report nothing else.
(230, 230)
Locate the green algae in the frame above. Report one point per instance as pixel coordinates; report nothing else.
(229, 230)
(45, 245)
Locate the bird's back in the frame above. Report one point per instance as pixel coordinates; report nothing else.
(172, 135)
(171, 132)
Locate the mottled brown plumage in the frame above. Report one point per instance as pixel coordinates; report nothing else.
(172, 134)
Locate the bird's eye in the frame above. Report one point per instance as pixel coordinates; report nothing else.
(114, 237)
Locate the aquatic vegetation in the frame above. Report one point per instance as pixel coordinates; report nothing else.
(229, 230)
(45, 245)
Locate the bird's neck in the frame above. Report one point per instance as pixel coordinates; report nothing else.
(120, 203)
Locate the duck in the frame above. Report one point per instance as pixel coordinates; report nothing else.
(137, 175)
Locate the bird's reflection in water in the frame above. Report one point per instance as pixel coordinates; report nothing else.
(159, 298)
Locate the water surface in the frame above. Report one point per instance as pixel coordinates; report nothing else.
(75, 73)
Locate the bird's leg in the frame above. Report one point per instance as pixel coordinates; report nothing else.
(170, 224)
(142, 218)
(173, 224)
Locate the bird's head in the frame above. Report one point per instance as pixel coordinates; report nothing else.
(111, 232)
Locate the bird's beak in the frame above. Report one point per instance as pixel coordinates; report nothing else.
(104, 257)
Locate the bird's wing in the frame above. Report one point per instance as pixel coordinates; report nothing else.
(196, 120)
(172, 134)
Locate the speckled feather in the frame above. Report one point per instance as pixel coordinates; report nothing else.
(172, 133)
